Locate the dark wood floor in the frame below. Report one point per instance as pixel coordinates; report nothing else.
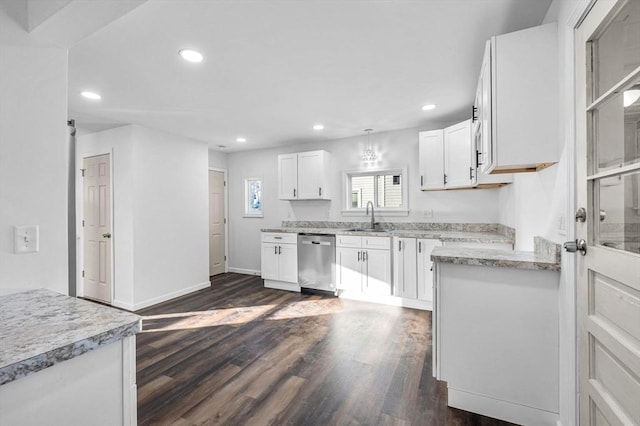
(238, 353)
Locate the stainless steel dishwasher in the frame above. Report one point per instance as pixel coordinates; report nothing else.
(317, 261)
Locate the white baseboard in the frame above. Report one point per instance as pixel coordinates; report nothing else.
(499, 409)
(388, 300)
(280, 285)
(245, 271)
(172, 295)
(123, 305)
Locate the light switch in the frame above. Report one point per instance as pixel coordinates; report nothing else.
(26, 239)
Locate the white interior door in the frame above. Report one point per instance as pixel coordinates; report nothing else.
(97, 227)
(608, 188)
(216, 223)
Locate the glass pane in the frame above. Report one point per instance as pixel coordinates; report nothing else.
(619, 206)
(617, 50)
(389, 191)
(617, 130)
(362, 191)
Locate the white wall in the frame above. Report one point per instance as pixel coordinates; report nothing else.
(33, 159)
(217, 159)
(160, 205)
(395, 149)
(171, 215)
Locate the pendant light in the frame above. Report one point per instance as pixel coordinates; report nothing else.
(368, 154)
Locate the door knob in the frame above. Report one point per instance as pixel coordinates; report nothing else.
(107, 235)
(581, 215)
(577, 245)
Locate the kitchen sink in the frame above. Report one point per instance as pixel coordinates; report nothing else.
(366, 230)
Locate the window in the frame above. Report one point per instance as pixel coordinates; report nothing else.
(386, 189)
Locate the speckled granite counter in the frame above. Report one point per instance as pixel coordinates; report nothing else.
(461, 236)
(40, 328)
(546, 256)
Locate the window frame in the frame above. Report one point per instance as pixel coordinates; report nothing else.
(348, 210)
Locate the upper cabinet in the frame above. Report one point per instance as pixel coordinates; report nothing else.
(517, 102)
(448, 160)
(304, 176)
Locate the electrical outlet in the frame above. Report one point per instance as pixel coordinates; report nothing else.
(26, 239)
(428, 214)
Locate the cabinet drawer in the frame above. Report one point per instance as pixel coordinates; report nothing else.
(348, 241)
(383, 243)
(279, 237)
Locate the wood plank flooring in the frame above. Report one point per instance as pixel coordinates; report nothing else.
(240, 354)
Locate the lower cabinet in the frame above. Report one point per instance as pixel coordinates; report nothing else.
(363, 265)
(279, 260)
(412, 274)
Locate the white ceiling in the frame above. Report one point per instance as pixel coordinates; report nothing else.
(273, 69)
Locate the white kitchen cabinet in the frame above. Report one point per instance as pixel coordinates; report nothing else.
(304, 176)
(495, 341)
(405, 282)
(279, 261)
(363, 265)
(448, 160)
(424, 268)
(431, 147)
(521, 132)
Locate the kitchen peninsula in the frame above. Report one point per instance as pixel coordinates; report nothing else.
(66, 361)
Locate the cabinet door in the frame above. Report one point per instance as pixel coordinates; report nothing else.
(269, 261)
(405, 284)
(377, 271)
(424, 266)
(288, 176)
(310, 175)
(483, 143)
(457, 155)
(288, 263)
(348, 269)
(431, 159)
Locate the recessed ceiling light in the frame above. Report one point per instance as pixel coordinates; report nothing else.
(191, 55)
(428, 107)
(91, 95)
(318, 127)
(241, 140)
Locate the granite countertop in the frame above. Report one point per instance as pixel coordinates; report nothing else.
(462, 236)
(40, 328)
(546, 256)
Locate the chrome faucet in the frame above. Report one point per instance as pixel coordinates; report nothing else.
(373, 218)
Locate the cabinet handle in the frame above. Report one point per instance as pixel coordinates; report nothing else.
(399, 245)
(470, 173)
(275, 249)
(445, 178)
(359, 254)
(473, 113)
(421, 180)
(419, 247)
(365, 256)
(279, 250)
(294, 192)
(478, 163)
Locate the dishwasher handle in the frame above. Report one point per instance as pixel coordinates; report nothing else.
(320, 243)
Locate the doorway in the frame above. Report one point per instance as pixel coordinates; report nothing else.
(217, 222)
(96, 225)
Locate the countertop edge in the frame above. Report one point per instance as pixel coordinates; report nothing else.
(47, 359)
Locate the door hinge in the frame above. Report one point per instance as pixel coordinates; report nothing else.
(225, 258)
(83, 223)
(82, 274)
(82, 171)
(224, 183)
(225, 220)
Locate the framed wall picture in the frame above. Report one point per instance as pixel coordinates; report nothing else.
(253, 197)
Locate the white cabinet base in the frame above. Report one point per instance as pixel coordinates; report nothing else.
(491, 407)
(424, 305)
(281, 285)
